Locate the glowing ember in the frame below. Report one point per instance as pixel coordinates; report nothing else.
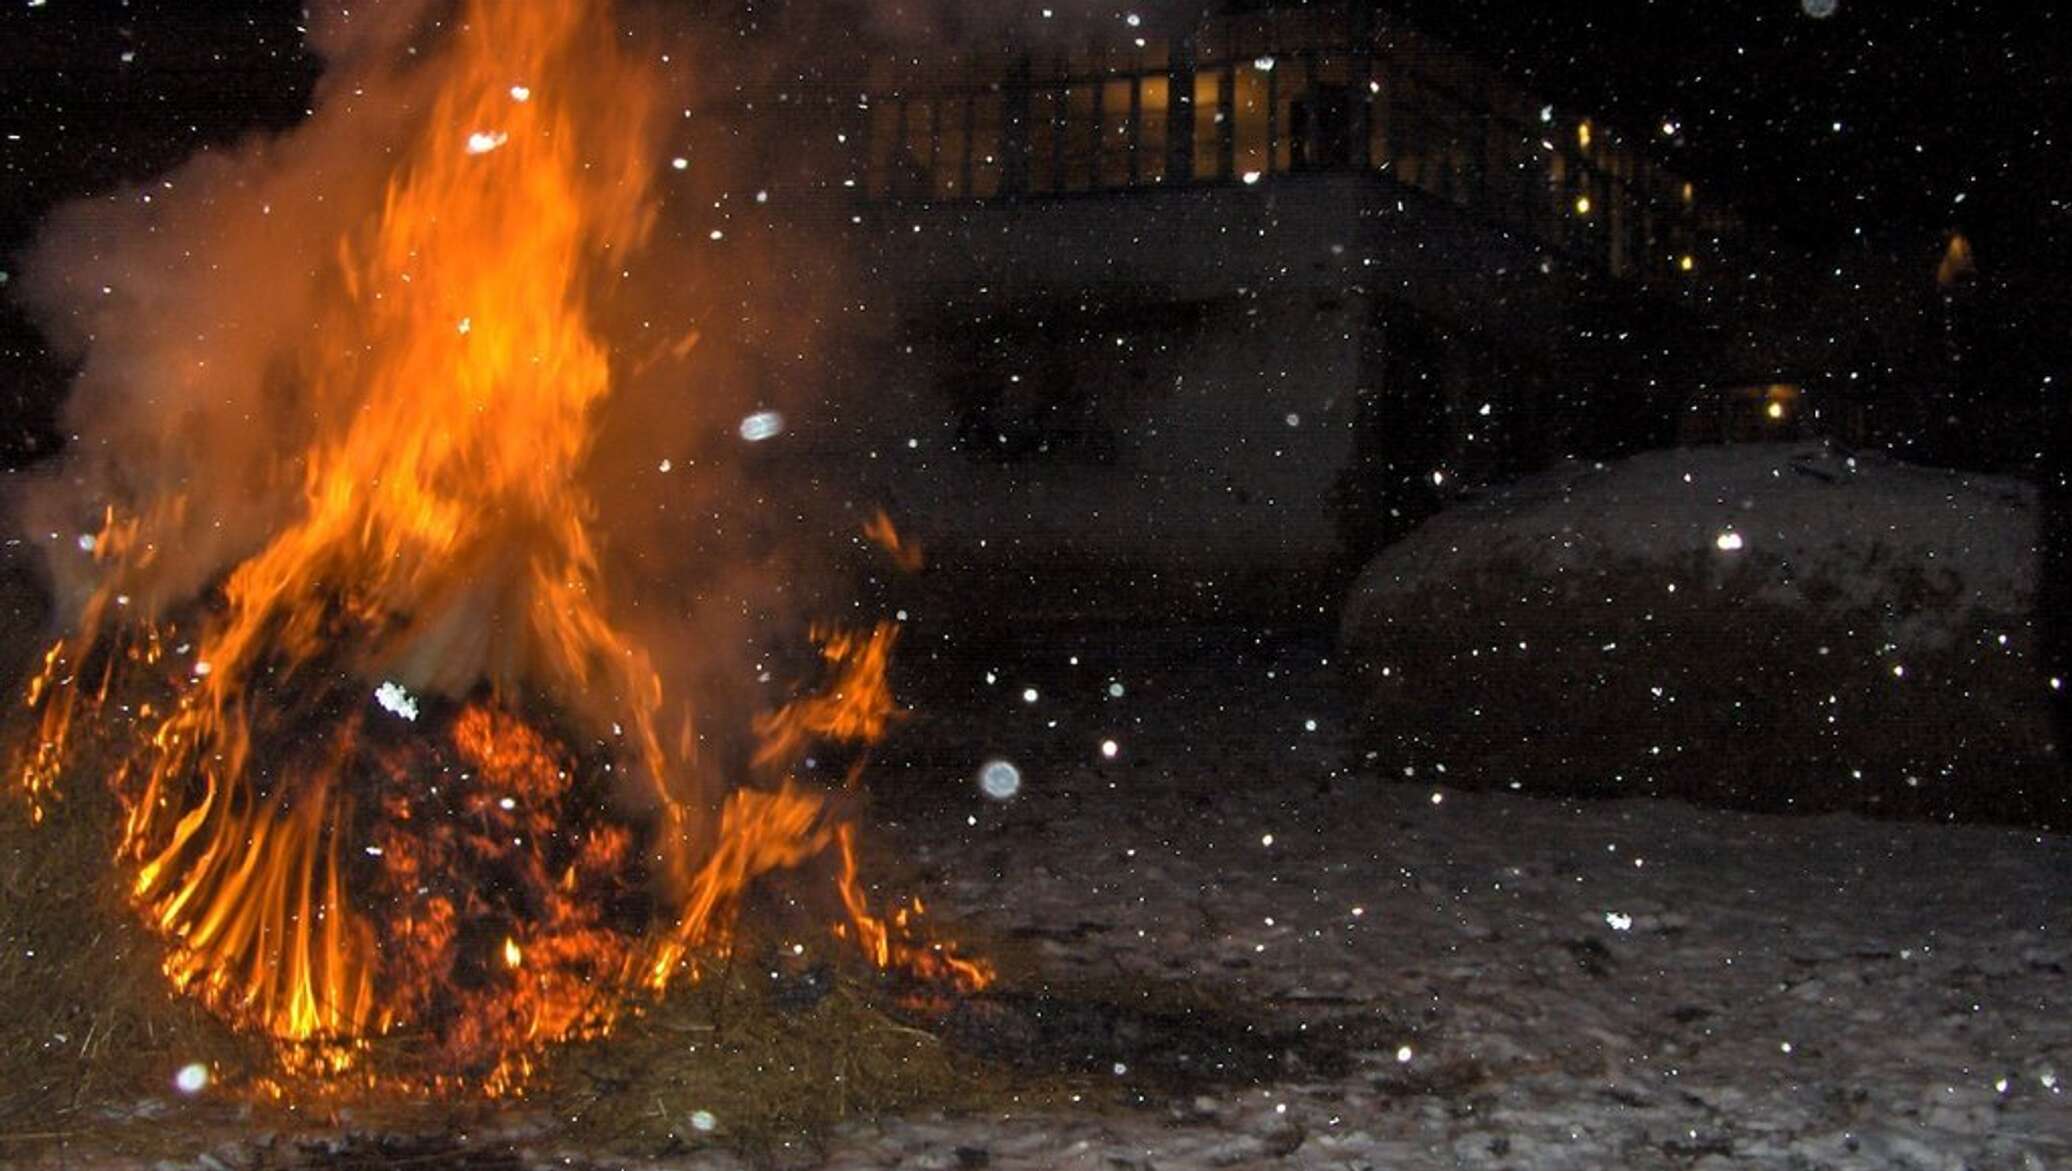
(505, 846)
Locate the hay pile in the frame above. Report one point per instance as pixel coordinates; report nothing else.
(93, 1039)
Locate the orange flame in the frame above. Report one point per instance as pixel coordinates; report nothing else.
(323, 872)
(905, 553)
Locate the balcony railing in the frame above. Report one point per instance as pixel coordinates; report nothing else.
(1241, 100)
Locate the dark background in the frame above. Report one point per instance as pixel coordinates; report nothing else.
(1881, 126)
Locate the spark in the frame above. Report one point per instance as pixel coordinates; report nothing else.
(395, 700)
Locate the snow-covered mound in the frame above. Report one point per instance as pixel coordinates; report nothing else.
(1779, 626)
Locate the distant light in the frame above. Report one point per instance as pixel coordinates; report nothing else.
(1582, 205)
(192, 1079)
(1583, 133)
(762, 425)
(1728, 541)
(1774, 410)
(1686, 262)
(482, 142)
(999, 779)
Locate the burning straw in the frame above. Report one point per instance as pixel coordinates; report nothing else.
(397, 718)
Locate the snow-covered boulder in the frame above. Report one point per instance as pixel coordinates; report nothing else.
(1770, 626)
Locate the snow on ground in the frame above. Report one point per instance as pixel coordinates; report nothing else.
(1769, 626)
(1531, 983)
(1861, 529)
(1520, 982)
(1517, 981)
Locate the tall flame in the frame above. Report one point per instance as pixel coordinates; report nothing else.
(324, 873)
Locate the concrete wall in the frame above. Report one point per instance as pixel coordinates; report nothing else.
(1177, 381)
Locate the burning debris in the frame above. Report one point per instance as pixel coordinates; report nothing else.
(398, 765)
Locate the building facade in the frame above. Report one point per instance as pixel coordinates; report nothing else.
(1244, 302)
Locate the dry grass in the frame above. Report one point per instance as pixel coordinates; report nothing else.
(768, 1080)
(92, 1038)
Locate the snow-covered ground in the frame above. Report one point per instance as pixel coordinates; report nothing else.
(1511, 980)
(1825, 529)
(1517, 982)
(1524, 982)
(1771, 626)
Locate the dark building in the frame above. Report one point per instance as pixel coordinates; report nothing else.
(1249, 300)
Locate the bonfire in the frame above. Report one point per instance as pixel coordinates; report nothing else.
(398, 764)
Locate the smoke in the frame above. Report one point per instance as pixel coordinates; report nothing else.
(197, 304)
(184, 301)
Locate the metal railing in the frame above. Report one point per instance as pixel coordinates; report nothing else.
(1243, 100)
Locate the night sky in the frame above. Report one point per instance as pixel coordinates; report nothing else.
(1879, 125)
